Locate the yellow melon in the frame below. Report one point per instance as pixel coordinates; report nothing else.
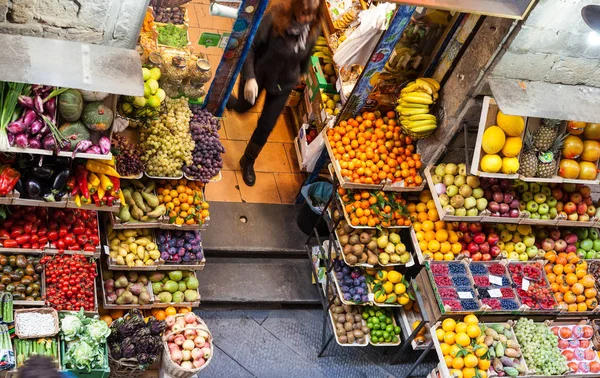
(491, 163)
(512, 146)
(512, 125)
(510, 165)
(493, 140)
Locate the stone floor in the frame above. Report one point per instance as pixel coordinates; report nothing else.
(285, 343)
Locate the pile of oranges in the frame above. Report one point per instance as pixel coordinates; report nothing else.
(573, 287)
(184, 201)
(371, 149)
(374, 208)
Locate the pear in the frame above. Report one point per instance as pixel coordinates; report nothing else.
(382, 241)
(400, 248)
(390, 248)
(394, 238)
(384, 258)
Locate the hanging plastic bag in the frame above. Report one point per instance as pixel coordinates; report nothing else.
(317, 195)
(359, 45)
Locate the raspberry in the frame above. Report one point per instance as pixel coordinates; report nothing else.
(443, 281)
(492, 302)
(454, 304)
(439, 269)
(481, 281)
(497, 269)
(447, 292)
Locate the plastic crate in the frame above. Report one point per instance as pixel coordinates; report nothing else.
(95, 373)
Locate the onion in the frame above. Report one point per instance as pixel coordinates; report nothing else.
(440, 188)
(104, 144)
(21, 140)
(29, 117)
(34, 142)
(16, 127)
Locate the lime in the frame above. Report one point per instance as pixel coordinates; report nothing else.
(155, 73)
(154, 101)
(370, 325)
(376, 326)
(153, 85)
(397, 330)
(365, 315)
(386, 335)
(395, 339)
(145, 73)
(375, 320)
(374, 339)
(160, 93)
(389, 328)
(388, 321)
(139, 101)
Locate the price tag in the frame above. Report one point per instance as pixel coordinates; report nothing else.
(495, 293)
(465, 295)
(496, 280)
(525, 284)
(371, 297)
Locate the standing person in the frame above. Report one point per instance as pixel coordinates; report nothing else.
(41, 367)
(278, 57)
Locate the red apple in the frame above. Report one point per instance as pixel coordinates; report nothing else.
(463, 245)
(495, 251)
(486, 257)
(581, 208)
(585, 191)
(571, 248)
(467, 237)
(573, 217)
(570, 208)
(557, 193)
(559, 206)
(472, 248)
(560, 245)
(547, 245)
(587, 200)
(484, 248)
(576, 197)
(571, 238)
(493, 238)
(583, 218)
(475, 227)
(476, 256)
(555, 234)
(463, 226)
(479, 238)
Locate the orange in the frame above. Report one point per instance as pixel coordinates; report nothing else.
(107, 319)
(184, 310)
(570, 297)
(441, 235)
(427, 226)
(558, 269)
(571, 279)
(471, 360)
(160, 315)
(458, 363)
(473, 331)
(433, 246)
(577, 288)
(430, 235)
(116, 314)
(462, 339)
(170, 311)
(581, 307)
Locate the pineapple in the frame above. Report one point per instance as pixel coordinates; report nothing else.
(547, 160)
(529, 159)
(546, 134)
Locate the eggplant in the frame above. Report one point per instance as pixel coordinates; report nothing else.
(59, 196)
(19, 187)
(60, 180)
(33, 188)
(43, 172)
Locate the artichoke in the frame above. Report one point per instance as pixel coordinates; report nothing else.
(157, 327)
(115, 351)
(128, 350)
(145, 359)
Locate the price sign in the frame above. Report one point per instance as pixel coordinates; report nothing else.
(525, 284)
(371, 297)
(496, 280)
(465, 295)
(495, 293)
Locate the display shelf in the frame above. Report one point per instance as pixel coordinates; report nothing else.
(407, 318)
(355, 344)
(161, 265)
(112, 306)
(395, 324)
(512, 9)
(15, 199)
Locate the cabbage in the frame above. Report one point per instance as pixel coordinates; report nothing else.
(97, 332)
(71, 326)
(83, 356)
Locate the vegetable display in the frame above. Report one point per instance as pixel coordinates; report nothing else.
(21, 277)
(73, 230)
(126, 288)
(85, 341)
(96, 182)
(188, 341)
(141, 204)
(24, 227)
(173, 36)
(180, 246)
(42, 347)
(133, 247)
(42, 177)
(70, 282)
(6, 351)
(133, 338)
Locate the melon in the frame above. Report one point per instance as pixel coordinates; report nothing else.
(510, 165)
(491, 163)
(512, 125)
(70, 105)
(93, 95)
(493, 140)
(512, 147)
(97, 116)
(74, 132)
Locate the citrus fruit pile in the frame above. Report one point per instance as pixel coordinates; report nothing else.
(374, 208)
(438, 240)
(381, 323)
(184, 201)
(389, 286)
(371, 149)
(573, 287)
(463, 347)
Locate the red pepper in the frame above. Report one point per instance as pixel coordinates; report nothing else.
(116, 184)
(96, 199)
(110, 200)
(23, 239)
(71, 183)
(8, 179)
(4, 234)
(74, 191)
(81, 175)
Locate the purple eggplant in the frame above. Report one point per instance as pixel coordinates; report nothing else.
(29, 117)
(34, 142)
(11, 139)
(21, 140)
(94, 150)
(36, 126)
(26, 102)
(50, 106)
(48, 143)
(16, 127)
(104, 143)
(39, 104)
(82, 146)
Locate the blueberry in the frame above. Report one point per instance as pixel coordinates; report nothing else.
(360, 291)
(345, 289)
(364, 298)
(361, 278)
(478, 269)
(457, 268)
(461, 281)
(508, 304)
(352, 291)
(469, 305)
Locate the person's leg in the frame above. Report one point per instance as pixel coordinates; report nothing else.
(239, 104)
(274, 105)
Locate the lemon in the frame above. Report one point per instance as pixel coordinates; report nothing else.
(399, 288)
(439, 333)
(512, 147)
(463, 339)
(454, 349)
(471, 319)
(481, 350)
(445, 349)
(153, 84)
(483, 365)
(381, 275)
(473, 331)
(471, 361)
(380, 297)
(449, 325)
(145, 73)
(460, 327)
(394, 277)
(510, 165)
(139, 101)
(450, 338)
(388, 287)
(512, 125)
(491, 163)
(448, 360)
(468, 372)
(455, 373)
(155, 73)
(403, 299)
(458, 363)
(154, 101)
(160, 93)
(127, 108)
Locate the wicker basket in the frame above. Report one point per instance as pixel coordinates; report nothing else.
(176, 371)
(50, 311)
(124, 368)
(596, 336)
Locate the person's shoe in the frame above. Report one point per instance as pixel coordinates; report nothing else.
(247, 163)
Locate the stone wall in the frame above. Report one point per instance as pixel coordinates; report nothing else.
(552, 46)
(107, 22)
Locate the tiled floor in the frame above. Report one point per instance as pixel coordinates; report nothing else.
(278, 174)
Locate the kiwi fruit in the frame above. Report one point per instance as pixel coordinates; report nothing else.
(351, 338)
(358, 334)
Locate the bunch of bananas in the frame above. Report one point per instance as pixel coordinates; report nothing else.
(413, 105)
(345, 20)
(322, 50)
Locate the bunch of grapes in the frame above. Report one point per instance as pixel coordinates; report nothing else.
(128, 157)
(206, 157)
(204, 118)
(540, 348)
(167, 143)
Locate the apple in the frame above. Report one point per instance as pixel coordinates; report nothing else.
(539, 198)
(532, 207)
(476, 256)
(493, 239)
(545, 217)
(560, 206)
(581, 208)
(581, 253)
(534, 187)
(582, 233)
(484, 248)
(508, 197)
(586, 244)
(479, 238)
(503, 255)
(470, 203)
(576, 198)
(596, 246)
(591, 210)
(560, 245)
(588, 200)
(542, 233)
(478, 193)
(473, 212)
(583, 218)
(510, 227)
(498, 197)
(551, 201)
(594, 234)
(543, 209)
(468, 237)
(462, 212)
(548, 244)
(514, 204)
(534, 216)
(475, 227)
(532, 251)
(546, 190)
(527, 196)
(500, 244)
(553, 213)
(522, 205)
(585, 191)
(481, 204)
(591, 255)
(517, 237)
(486, 257)
(472, 248)
(529, 240)
(573, 217)
(495, 251)
(523, 257)
(513, 255)
(569, 187)
(509, 247)
(555, 234)
(463, 227)
(570, 208)
(520, 247)
(557, 193)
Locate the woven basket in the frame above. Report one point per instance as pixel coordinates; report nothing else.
(50, 311)
(596, 336)
(124, 368)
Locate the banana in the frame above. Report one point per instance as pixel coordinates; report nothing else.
(422, 129)
(422, 123)
(419, 117)
(409, 112)
(426, 96)
(417, 87)
(431, 82)
(412, 105)
(427, 84)
(417, 99)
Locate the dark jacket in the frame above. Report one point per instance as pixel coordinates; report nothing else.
(272, 61)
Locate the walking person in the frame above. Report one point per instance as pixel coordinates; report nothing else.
(278, 57)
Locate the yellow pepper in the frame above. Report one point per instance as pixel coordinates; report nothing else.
(97, 167)
(91, 188)
(105, 182)
(110, 162)
(78, 200)
(101, 192)
(93, 179)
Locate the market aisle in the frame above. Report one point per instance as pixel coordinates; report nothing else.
(285, 343)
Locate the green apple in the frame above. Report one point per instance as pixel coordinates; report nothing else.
(532, 206)
(529, 240)
(527, 196)
(513, 255)
(543, 209)
(523, 257)
(532, 251)
(520, 247)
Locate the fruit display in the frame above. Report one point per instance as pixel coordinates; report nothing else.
(175, 287)
(539, 346)
(175, 15)
(167, 142)
(574, 343)
(459, 194)
(148, 105)
(594, 270)
(413, 107)
(97, 182)
(125, 288)
(184, 201)
(73, 230)
(520, 242)
(70, 282)
(21, 277)
(454, 286)
(382, 325)
(345, 20)
(493, 286)
(501, 196)
(325, 56)
(127, 156)
(371, 149)
(532, 286)
(542, 150)
(461, 347)
(141, 204)
(189, 341)
(389, 287)
(206, 156)
(180, 246)
(580, 152)
(364, 208)
(574, 288)
(132, 247)
(586, 240)
(501, 145)
(351, 283)
(331, 102)
(348, 324)
(503, 349)
(480, 243)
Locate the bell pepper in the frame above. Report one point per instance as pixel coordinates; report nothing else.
(91, 188)
(74, 191)
(105, 182)
(100, 192)
(110, 200)
(71, 183)
(110, 162)
(81, 175)
(116, 184)
(93, 179)
(121, 197)
(8, 179)
(97, 167)
(78, 200)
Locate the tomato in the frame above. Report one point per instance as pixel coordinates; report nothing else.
(82, 239)
(42, 231)
(22, 239)
(15, 233)
(43, 240)
(35, 246)
(94, 239)
(70, 240)
(52, 236)
(60, 244)
(78, 230)
(8, 223)
(63, 231)
(10, 243)
(26, 246)
(34, 238)
(89, 248)
(27, 227)
(4, 234)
